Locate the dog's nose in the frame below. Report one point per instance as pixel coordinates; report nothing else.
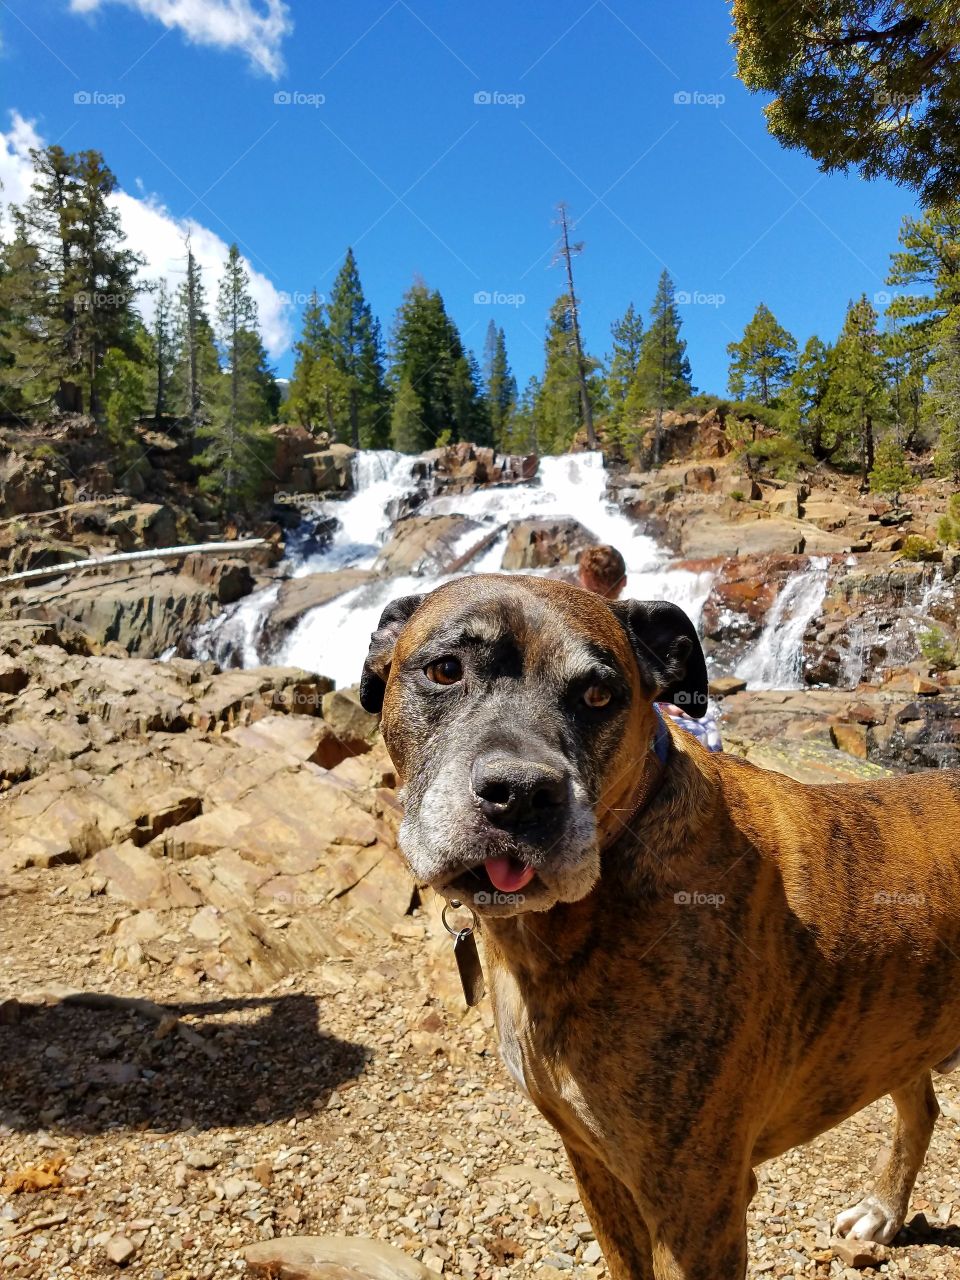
(514, 792)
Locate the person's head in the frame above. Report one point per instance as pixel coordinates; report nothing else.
(602, 571)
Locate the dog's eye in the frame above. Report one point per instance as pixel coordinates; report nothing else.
(444, 671)
(597, 695)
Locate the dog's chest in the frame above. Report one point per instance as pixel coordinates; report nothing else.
(511, 1022)
(548, 1079)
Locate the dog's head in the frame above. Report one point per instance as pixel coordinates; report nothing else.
(518, 714)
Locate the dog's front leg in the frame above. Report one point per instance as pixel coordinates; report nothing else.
(615, 1217)
(699, 1231)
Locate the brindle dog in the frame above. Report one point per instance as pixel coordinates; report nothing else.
(695, 964)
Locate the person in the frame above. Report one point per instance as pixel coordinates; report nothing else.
(603, 571)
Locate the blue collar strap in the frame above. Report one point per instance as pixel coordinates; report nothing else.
(660, 746)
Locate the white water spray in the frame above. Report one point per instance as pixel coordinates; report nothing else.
(776, 660)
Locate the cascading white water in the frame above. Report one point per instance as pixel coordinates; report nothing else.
(333, 638)
(381, 480)
(231, 638)
(776, 660)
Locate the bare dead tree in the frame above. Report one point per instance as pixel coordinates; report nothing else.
(567, 252)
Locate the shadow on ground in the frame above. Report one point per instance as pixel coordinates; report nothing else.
(86, 1065)
(919, 1231)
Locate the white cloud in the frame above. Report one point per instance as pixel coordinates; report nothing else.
(16, 168)
(258, 27)
(158, 235)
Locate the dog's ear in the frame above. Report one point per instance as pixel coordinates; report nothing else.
(376, 669)
(668, 652)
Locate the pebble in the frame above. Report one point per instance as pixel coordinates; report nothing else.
(120, 1250)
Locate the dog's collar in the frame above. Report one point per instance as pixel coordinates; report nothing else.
(660, 746)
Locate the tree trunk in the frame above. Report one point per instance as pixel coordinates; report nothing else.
(585, 405)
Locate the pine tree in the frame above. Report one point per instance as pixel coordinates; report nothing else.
(470, 416)
(521, 435)
(804, 416)
(407, 431)
(929, 257)
(942, 405)
(122, 392)
(163, 348)
(429, 354)
(357, 352)
(663, 372)
(238, 446)
(763, 361)
(105, 271)
(558, 409)
(623, 389)
(318, 397)
(907, 361)
(857, 395)
(196, 373)
(79, 240)
(890, 473)
(31, 330)
(500, 386)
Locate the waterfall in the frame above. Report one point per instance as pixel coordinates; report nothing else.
(333, 637)
(382, 479)
(776, 660)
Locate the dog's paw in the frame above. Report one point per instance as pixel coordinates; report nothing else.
(871, 1219)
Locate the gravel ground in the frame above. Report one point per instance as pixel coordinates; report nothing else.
(344, 1101)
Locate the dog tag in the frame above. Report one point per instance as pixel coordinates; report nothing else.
(468, 965)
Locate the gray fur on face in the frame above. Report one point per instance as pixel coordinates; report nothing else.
(514, 701)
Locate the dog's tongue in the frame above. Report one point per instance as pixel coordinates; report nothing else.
(508, 875)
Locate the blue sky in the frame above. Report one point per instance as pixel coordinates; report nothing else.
(403, 162)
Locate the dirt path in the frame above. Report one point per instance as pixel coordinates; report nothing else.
(343, 1102)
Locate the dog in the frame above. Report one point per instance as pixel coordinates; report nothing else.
(695, 964)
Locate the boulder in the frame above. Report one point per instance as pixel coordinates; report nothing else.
(355, 727)
(146, 609)
(297, 596)
(851, 738)
(702, 478)
(540, 544)
(331, 469)
(752, 534)
(143, 526)
(230, 580)
(426, 545)
(26, 485)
